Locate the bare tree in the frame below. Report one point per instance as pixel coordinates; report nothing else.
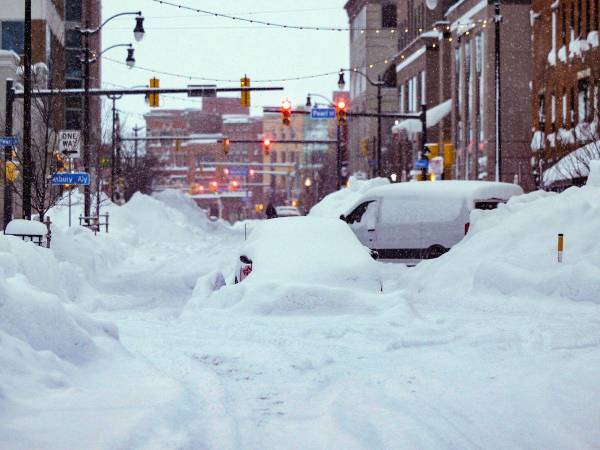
(46, 119)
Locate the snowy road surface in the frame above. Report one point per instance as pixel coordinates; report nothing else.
(431, 364)
(425, 374)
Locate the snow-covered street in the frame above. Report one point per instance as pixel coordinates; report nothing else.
(486, 361)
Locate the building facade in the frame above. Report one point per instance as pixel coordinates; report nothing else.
(373, 45)
(565, 90)
(225, 180)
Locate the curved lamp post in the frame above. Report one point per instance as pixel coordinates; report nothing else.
(87, 59)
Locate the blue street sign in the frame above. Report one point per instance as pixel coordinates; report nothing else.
(322, 113)
(422, 164)
(63, 178)
(238, 171)
(6, 141)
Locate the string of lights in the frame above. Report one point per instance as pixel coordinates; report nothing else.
(265, 23)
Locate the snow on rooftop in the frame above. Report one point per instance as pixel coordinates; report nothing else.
(230, 119)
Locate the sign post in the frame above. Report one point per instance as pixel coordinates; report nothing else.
(69, 143)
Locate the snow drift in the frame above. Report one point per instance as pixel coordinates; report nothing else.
(513, 250)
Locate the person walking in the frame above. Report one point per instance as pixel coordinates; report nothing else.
(271, 211)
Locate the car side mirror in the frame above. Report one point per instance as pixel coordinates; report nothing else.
(375, 254)
(342, 217)
(245, 259)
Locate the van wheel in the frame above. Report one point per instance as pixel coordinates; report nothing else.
(435, 251)
(235, 281)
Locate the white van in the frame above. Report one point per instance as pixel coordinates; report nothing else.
(421, 220)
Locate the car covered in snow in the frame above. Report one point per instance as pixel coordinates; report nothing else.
(421, 220)
(307, 250)
(287, 211)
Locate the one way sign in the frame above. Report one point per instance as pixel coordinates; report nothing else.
(68, 143)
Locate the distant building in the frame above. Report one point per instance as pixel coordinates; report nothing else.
(565, 90)
(200, 164)
(281, 181)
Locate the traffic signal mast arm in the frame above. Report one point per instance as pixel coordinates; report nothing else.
(355, 114)
(221, 141)
(136, 91)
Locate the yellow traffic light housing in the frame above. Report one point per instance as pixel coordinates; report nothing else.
(245, 95)
(153, 98)
(226, 145)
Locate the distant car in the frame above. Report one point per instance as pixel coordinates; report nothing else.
(307, 250)
(287, 211)
(421, 220)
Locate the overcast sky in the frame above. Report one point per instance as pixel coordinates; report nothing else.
(194, 44)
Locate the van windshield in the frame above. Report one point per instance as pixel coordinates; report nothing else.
(424, 210)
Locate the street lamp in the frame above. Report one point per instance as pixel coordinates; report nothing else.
(87, 60)
(308, 183)
(378, 84)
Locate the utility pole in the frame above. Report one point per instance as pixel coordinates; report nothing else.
(86, 120)
(8, 128)
(379, 99)
(27, 163)
(497, 20)
(424, 149)
(135, 147)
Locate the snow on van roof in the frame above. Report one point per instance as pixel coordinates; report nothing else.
(472, 190)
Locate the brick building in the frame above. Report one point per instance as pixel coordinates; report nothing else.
(472, 28)
(199, 165)
(282, 183)
(565, 90)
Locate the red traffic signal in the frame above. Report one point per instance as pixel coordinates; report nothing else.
(234, 185)
(266, 145)
(340, 110)
(286, 111)
(213, 186)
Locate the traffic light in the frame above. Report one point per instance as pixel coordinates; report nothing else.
(340, 110)
(226, 144)
(153, 99)
(60, 164)
(234, 185)
(213, 186)
(286, 111)
(177, 145)
(245, 95)
(266, 145)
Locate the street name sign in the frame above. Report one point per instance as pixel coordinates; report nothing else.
(322, 113)
(8, 141)
(238, 171)
(69, 143)
(202, 90)
(62, 178)
(422, 164)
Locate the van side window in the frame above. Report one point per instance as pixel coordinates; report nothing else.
(488, 204)
(357, 214)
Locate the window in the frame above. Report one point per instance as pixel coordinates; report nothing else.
(73, 119)
(13, 37)
(389, 16)
(72, 39)
(402, 99)
(542, 111)
(553, 110)
(564, 110)
(582, 99)
(356, 215)
(73, 10)
(563, 31)
(73, 64)
(587, 16)
(572, 106)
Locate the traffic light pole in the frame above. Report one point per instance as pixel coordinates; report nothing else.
(8, 128)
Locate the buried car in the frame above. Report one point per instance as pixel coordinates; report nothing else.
(422, 220)
(307, 250)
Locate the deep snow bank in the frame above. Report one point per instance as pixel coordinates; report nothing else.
(513, 250)
(340, 201)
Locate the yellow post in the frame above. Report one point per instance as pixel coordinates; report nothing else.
(561, 244)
